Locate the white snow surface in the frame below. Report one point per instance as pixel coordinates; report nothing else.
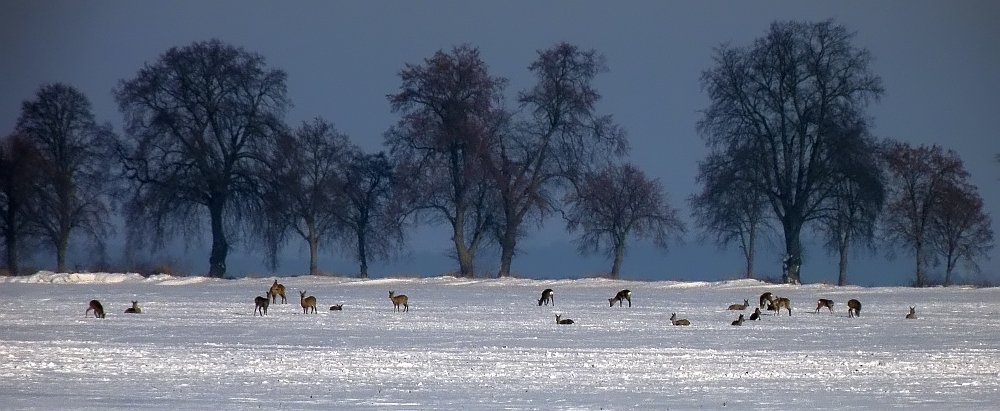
(487, 345)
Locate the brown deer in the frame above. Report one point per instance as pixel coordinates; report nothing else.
(912, 315)
(307, 302)
(97, 307)
(675, 321)
(756, 314)
(766, 298)
(134, 309)
(853, 308)
(823, 302)
(278, 290)
(547, 296)
(561, 321)
(622, 295)
(739, 321)
(740, 307)
(782, 302)
(338, 307)
(398, 300)
(261, 303)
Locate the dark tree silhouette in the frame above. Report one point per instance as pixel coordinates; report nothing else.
(561, 139)
(617, 203)
(961, 228)
(919, 182)
(20, 167)
(372, 217)
(303, 189)
(450, 112)
(76, 174)
(776, 108)
(198, 120)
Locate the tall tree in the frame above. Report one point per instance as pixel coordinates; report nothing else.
(75, 179)
(919, 179)
(199, 120)
(450, 109)
(961, 228)
(562, 138)
(303, 188)
(615, 204)
(20, 177)
(784, 99)
(372, 217)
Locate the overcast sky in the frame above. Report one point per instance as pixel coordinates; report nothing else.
(940, 63)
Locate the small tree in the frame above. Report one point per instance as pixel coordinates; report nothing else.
(961, 228)
(20, 166)
(371, 215)
(617, 203)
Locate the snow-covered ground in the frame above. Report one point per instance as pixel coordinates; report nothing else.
(486, 344)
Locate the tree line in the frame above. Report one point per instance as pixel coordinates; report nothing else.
(205, 142)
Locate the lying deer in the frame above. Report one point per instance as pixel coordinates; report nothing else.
(622, 295)
(547, 296)
(339, 307)
(97, 307)
(398, 300)
(261, 303)
(560, 321)
(134, 309)
(823, 302)
(740, 307)
(675, 321)
(766, 298)
(782, 302)
(912, 315)
(307, 302)
(853, 308)
(756, 314)
(278, 290)
(739, 321)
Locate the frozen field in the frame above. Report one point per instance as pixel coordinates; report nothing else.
(486, 344)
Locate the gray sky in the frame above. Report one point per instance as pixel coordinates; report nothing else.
(939, 62)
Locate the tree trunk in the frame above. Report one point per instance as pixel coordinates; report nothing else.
(950, 262)
(313, 251)
(507, 246)
(61, 244)
(619, 256)
(363, 253)
(464, 253)
(919, 252)
(750, 252)
(842, 277)
(220, 247)
(793, 252)
(11, 242)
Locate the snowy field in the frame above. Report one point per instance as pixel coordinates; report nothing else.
(487, 345)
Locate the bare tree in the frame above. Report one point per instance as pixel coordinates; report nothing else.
(920, 178)
(303, 188)
(562, 138)
(20, 166)
(450, 107)
(76, 173)
(199, 119)
(371, 215)
(615, 204)
(783, 100)
(961, 228)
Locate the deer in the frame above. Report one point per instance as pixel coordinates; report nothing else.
(766, 297)
(739, 321)
(134, 309)
(307, 302)
(782, 302)
(261, 303)
(338, 307)
(547, 296)
(739, 307)
(912, 315)
(278, 290)
(853, 308)
(561, 321)
(622, 295)
(756, 314)
(675, 321)
(97, 307)
(823, 302)
(398, 300)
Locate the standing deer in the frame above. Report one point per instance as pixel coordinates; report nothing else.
(398, 300)
(675, 321)
(756, 314)
(547, 296)
(912, 315)
(261, 303)
(853, 308)
(307, 302)
(740, 307)
(766, 298)
(739, 321)
(560, 321)
(134, 309)
(782, 302)
(97, 307)
(823, 302)
(278, 290)
(622, 295)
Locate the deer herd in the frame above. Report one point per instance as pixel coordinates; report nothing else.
(767, 301)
